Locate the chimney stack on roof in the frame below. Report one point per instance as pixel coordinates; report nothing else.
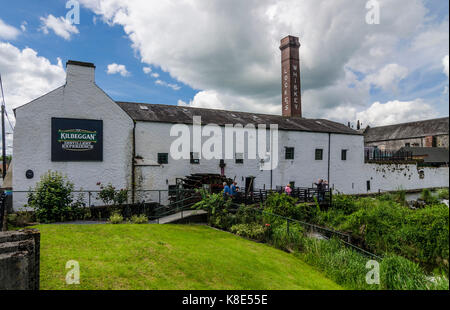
(80, 72)
(290, 77)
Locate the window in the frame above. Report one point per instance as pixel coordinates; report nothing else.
(368, 186)
(239, 158)
(319, 154)
(407, 144)
(195, 158)
(344, 154)
(289, 153)
(163, 158)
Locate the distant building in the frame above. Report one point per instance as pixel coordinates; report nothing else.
(435, 156)
(429, 133)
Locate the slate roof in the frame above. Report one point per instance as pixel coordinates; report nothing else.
(432, 127)
(432, 154)
(183, 115)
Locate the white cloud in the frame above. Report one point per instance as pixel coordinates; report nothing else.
(445, 64)
(116, 68)
(59, 25)
(235, 61)
(393, 112)
(147, 70)
(164, 83)
(155, 75)
(26, 76)
(388, 77)
(8, 32)
(23, 26)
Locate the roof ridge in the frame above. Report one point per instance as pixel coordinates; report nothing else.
(408, 123)
(210, 109)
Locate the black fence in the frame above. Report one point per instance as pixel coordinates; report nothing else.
(302, 194)
(376, 155)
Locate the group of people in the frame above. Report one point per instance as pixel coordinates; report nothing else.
(322, 186)
(230, 191)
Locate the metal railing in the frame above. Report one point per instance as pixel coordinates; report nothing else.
(376, 155)
(327, 233)
(90, 198)
(302, 194)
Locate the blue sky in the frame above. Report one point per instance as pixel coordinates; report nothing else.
(97, 43)
(224, 54)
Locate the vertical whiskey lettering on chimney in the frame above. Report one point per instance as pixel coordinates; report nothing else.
(290, 75)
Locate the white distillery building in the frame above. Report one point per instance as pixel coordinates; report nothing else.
(78, 130)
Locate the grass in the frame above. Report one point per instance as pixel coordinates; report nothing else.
(175, 257)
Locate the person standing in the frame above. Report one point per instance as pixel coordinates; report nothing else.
(320, 187)
(226, 190)
(233, 188)
(288, 190)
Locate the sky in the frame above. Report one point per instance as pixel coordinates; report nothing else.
(224, 54)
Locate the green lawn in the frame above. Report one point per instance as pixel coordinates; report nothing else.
(168, 257)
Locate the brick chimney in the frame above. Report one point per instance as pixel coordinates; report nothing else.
(290, 77)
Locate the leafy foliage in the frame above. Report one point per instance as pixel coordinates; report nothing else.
(139, 219)
(252, 231)
(111, 196)
(116, 218)
(53, 199)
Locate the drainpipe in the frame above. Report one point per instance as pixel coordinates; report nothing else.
(133, 166)
(329, 157)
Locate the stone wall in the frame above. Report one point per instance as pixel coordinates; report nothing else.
(19, 260)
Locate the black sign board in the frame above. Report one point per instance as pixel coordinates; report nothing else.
(77, 139)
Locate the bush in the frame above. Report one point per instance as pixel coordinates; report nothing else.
(112, 197)
(116, 218)
(345, 203)
(141, 219)
(252, 231)
(385, 226)
(428, 197)
(443, 193)
(53, 199)
(282, 204)
(21, 218)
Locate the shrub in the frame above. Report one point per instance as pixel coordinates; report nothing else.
(428, 197)
(218, 208)
(345, 203)
(252, 231)
(141, 219)
(111, 196)
(116, 218)
(53, 200)
(282, 204)
(21, 218)
(443, 193)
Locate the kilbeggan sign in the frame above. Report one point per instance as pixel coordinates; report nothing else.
(77, 140)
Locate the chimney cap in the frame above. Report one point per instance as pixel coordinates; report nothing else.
(289, 41)
(80, 63)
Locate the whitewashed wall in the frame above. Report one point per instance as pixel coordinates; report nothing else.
(154, 138)
(79, 98)
(393, 177)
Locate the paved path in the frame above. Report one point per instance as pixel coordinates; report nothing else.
(178, 216)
